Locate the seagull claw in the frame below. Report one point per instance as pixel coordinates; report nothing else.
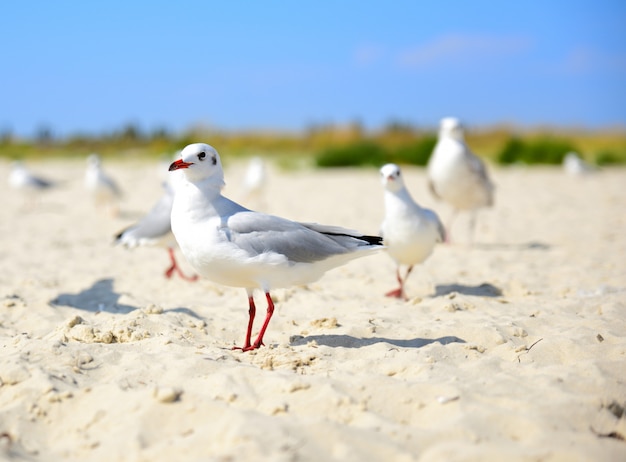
(396, 293)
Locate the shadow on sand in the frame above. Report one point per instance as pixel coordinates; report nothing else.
(99, 297)
(482, 290)
(347, 341)
(532, 245)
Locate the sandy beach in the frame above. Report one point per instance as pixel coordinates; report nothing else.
(512, 349)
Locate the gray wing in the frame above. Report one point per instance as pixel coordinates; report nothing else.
(110, 182)
(257, 233)
(40, 183)
(156, 224)
(432, 216)
(477, 166)
(432, 188)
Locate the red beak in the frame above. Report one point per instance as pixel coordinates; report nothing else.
(179, 164)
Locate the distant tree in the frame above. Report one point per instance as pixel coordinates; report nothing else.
(43, 135)
(160, 133)
(6, 135)
(130, 132)
(396, 126)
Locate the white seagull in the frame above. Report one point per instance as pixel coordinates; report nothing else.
(255, 180)
(155, 229)
(458, 176)
(574, 165)
(232, 245)
(103, 188)
(23, 180)
(409, 231)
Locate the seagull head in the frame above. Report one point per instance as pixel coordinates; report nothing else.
(391, 177)
(451, 127)
(199, 162)
(93, 160)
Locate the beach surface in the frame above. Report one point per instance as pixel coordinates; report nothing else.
(513, 348)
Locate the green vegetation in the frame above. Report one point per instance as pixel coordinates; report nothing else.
(331, 146)
(362, 152)
(608, 157)
(544, 150)
(375, 153)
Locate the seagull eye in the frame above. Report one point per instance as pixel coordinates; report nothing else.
(202, 155)
(214, 160)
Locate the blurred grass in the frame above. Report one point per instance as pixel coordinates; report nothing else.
(333, 146)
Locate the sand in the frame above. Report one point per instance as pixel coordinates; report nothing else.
(511, 349)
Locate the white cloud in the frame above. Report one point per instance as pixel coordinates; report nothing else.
(458, 47)
(584, 60)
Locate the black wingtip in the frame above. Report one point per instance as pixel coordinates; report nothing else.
(119, 235)
(373, 240)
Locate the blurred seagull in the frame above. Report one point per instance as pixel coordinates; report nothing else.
(575, 166)
(155, 229)
(102, 187)
(232, 245)
(254, 181)
(23, 180)
(458, 176)
(409, 231)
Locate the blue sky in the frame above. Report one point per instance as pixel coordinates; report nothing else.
(93, 67)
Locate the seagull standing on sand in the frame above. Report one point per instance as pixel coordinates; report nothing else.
(458, 176)
(155, 229)
(232, 245)
(23, 180)
(409, 231)
(575, 166)
(103, 188)
(255, 180)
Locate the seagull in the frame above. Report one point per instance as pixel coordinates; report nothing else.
(409, 231)
(102, 187)
(255, 180)
(235, 246)
(456, 175)
(575, 166)
(22, 179)
(155, 229)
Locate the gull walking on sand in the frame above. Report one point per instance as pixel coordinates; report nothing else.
(155, 229)
(409, 231)
(232, 245)
(102, 187)
(456, 175)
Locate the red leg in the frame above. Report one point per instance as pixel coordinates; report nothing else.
(170, 270)
(399, 292)
(270, 310)
(251, 314)
(174, 267)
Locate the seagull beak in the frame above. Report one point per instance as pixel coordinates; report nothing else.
(179, 164)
